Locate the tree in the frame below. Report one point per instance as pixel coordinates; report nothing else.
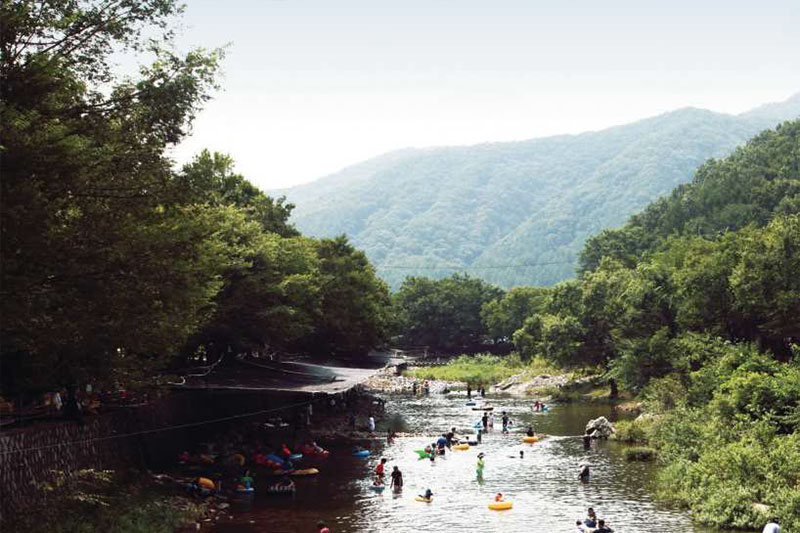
(210, 179)
(504, 316)
(766, 282)
(445, 313)
(102, 267)
(354, 302)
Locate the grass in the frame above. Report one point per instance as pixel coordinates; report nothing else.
(483, 369)
(640, 453)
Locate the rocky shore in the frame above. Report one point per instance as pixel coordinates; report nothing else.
(388, 381)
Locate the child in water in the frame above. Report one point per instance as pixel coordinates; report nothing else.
(498, 497)
(428, 494)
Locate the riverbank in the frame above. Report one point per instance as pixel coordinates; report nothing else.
(501, 375)
(129, 502)
(482, 369)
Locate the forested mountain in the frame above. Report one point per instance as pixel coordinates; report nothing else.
(488, 207)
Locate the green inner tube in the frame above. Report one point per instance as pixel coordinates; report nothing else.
(422, 454)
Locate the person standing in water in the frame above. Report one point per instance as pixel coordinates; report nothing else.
(380, 469)
(485, 420)
(397, 480)
(479, 467)
(505, 422)
(583, 474)
(469, 391)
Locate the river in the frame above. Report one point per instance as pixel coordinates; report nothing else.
(543, 485)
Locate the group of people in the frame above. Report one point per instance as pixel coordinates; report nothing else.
(426, 387)
(396, 482)
(481, 391)
(592, 524)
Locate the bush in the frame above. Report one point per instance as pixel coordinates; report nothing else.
(640, 453)
(634, 431)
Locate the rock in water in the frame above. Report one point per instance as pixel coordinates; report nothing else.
(599, 428)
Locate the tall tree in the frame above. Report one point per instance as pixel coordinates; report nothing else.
(101, 264)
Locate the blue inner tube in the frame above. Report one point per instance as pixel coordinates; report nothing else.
(377, 488)
(296, 456)
(362, 453)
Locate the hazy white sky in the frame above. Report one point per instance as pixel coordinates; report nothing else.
(312, 86)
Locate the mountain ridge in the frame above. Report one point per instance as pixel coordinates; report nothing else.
(482, 206)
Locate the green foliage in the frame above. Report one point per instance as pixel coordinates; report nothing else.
(482, 369)
(354, 307)
(484, 208)
(89, 500)
(445, 313)
(640, 453)
(506, 315)
(113, 262)
(634, 431)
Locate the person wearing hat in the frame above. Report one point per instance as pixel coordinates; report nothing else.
(480, 466)
(773, 526)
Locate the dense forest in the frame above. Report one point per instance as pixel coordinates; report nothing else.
(516, 213)
(115, 263)
(694, 306)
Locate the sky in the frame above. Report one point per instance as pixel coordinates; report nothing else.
(310, 87)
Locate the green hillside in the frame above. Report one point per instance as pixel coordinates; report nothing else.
(489, 207)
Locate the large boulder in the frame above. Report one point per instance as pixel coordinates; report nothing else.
(599, 428)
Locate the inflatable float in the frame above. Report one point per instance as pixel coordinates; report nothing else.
(421, 499)
(530, 440)
(500, 506)
(304, 472)
(461, 446)
(422, 454)
(483, 408)
(377, 488)
(205, 483)
(295, 456)
(470, 403)
(361, 453)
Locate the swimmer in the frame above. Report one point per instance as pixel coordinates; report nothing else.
(530, 432)
(428, 494)
(498, 497)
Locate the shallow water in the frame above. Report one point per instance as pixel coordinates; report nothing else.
(543, 485)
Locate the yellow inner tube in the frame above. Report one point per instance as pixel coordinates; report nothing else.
(530, 439)
(500, 506)
(205, 482)
(306, 472)
(461, 447)
(421, 499)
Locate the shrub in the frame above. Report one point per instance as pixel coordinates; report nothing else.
(634, 431)
(640, 453)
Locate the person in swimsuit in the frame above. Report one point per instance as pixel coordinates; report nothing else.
(379, 470)
(397, 480)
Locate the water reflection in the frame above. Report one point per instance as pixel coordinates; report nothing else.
(543, 485)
